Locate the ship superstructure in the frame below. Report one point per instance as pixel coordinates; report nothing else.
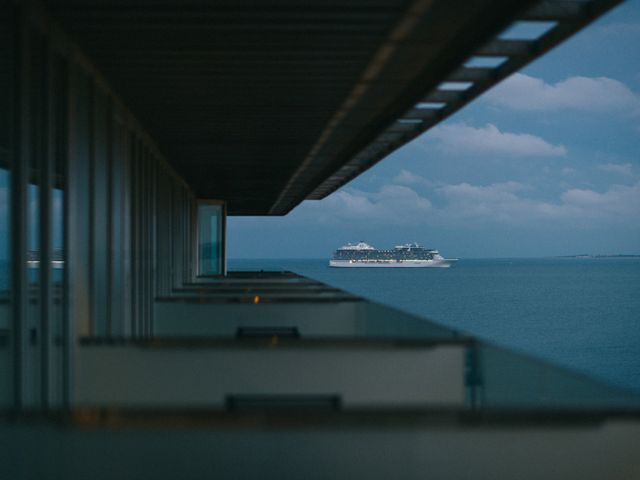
(362, 254)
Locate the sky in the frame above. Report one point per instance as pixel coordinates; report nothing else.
(546, 163)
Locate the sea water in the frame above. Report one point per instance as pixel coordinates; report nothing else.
(583, 314)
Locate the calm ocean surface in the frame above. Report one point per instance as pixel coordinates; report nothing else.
(580, 313)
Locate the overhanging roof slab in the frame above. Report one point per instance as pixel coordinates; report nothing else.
(263, 103)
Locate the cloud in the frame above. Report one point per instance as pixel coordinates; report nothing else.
(625, 169)
(619, 201)
(459, 138)
(479, 192)
(405, 177)
(598, 94)
(495, 202)
(568, 171)
(505, 203)
(465, 205)
(390, 205)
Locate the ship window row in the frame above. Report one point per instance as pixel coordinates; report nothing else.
(383, 255)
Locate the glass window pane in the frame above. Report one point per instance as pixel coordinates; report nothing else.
(210, 239)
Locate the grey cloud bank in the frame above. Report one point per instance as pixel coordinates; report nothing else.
(460, 138)
(601, 94)
(625, 169)
(465, 204)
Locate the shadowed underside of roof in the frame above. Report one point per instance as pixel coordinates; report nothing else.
(264, 104)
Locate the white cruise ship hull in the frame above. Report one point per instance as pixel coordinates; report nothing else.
(436, 263)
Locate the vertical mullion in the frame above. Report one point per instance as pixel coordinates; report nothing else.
(19, 181)
(69, 327)
(194, 239)
(181, 219)
(158, 234)
(139, 222)
(125, 233)
(140, 233)
(170, 234)
(116, 235)
(223, 240)
(196, 244)
(153, 184)
(147, 240)
(185, 246)
(92, 205)
(143, 237)
(99, 211)
(46, 212)
(135, 238)
(175, 234)
(110, 138)
(62, 137)
(163, 228)
(72, 232)
(138, 219)
(183, 222)
(124, 237)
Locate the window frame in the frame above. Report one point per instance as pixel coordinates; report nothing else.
(223, 238)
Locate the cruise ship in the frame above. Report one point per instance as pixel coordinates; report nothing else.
(362, 254)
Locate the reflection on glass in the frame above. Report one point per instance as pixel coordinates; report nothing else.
(57, 259)
(5, 279)
(33, 249)
(5, 292)
(210, 239)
